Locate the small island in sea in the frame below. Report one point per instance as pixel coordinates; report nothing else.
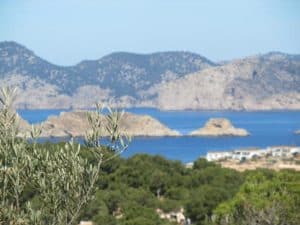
(219, 127)
(75, 124)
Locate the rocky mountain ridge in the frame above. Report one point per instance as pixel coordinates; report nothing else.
(119, 78)
(262, 82)
(165, 80)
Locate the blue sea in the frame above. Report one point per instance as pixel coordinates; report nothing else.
(268, 128)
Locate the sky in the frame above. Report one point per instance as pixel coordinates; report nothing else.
(66, 32)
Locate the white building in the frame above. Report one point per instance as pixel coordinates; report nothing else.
(86, 223)
(177, 216)
(215, 156)
(247, 154)
(279, 151)
(295, 151)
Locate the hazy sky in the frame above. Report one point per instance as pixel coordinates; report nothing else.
(68, 31)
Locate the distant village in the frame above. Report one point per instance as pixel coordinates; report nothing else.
(276, 157)
(280, 152)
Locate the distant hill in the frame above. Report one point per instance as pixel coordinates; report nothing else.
(118, 77)
(167, 80)
(262, 82)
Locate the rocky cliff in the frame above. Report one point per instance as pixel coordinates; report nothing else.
(219, 127)
(262, 82)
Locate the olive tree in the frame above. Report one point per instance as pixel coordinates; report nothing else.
(59, 179)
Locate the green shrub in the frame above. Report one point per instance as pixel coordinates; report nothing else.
(263, 199)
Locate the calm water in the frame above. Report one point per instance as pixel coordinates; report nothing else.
(266, 128)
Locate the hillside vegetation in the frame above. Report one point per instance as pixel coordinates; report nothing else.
(131, 190)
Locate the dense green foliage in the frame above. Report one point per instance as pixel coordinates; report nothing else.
(137, 186)
(131, 190)
(264, 199)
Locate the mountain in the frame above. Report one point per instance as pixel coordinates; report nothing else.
(118, 77)
(262, 82)
(167, 80)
